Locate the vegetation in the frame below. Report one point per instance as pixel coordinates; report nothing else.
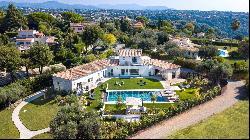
(73, 122)
(37, 114)
(43, 136)
(7, 127)
(233, 122)
(133, 83)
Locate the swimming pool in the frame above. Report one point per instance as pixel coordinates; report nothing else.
(223, 53)
(145, 95)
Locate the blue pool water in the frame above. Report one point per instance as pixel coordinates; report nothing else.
(145, 95)
(223, 53)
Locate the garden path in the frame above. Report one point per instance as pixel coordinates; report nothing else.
(232, 93)
(25, 133)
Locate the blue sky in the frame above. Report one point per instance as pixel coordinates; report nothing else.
(220, 5)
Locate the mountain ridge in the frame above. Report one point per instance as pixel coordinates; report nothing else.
(59, 5)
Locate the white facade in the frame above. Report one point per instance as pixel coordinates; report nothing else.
(77, 27)
(129, 66)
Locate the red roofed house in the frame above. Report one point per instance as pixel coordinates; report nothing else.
(128, 63)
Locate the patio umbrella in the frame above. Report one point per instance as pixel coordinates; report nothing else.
(133, 101)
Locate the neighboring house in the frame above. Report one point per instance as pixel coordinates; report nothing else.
(128, 63)
(138, 25)
(201, 34)
(79, 27)
(191, 50)
(26, 38)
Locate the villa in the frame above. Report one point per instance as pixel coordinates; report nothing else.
(128, 63)
(191, 50)
(26, 38)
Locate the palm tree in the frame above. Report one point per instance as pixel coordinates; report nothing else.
(235, 25)
(153, 99)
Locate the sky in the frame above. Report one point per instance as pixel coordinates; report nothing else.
(205, 5)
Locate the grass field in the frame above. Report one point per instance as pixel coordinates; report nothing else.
(7, 128)
(43, 136)
(38, 113)
(233, 123)
(133, 83)
(187, 94)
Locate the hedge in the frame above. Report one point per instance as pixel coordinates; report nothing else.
(21, 88)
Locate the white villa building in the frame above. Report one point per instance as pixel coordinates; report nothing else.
(191, 49)
(128, 63)
(26, 38)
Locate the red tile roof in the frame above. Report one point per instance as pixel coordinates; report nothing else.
(161, 64)
(130, 52)
(85, 69)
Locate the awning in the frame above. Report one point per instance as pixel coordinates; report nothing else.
(133, 101)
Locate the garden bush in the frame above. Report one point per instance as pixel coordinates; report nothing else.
(22, 88)
(186, 63)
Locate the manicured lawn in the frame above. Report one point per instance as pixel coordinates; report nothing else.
(43, 136)
(7, 128)
(38, 114)
(230, 124)
(133, 83)
(187, 94)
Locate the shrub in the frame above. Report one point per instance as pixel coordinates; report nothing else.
(22, 88)
(186, 63)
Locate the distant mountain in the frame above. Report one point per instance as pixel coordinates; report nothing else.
(58, 5)
(132, 7)
(49, 5)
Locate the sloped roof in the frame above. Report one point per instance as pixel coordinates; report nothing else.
(130, 52)
(85, 69)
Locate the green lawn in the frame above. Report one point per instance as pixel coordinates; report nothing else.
(43, 136)
(7, 128)
(38, 113)
(230, 124)
(187, 94)
(132, 83)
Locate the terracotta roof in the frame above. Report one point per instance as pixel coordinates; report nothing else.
(161, 64)
(85, 69)
(130, 52)
(24, 39)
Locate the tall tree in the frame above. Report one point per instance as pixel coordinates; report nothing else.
(72, 17)
(235, 25)
(14, 19)
(91, 34)
(10, 60)
(40, 56)
(109, 39)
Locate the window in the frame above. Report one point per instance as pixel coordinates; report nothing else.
(28, 43)
(30, 36)
(134, 59)
(122, 71)
(134, 71)
(23, 35)
(79, 28)
(111, 72)
(123, 58)
(90, 79)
